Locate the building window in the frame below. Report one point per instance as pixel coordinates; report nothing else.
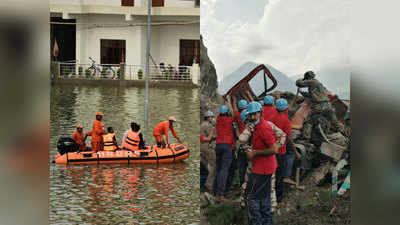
(127, 2)
(112, 51)
(197, 3)
(189, 51)
(157, 3)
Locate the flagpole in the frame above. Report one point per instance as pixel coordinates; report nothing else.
(146, 100)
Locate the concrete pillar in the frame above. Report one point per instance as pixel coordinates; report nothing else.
(122, 71)
(56, 70)
(195, 74)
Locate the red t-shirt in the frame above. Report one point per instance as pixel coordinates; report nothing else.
(225, 130)
(282, 121)
(269, 112)
(239, 121)
(263, 138)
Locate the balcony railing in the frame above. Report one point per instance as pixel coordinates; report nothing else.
(120, 71)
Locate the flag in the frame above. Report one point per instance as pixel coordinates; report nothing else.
(55, 48)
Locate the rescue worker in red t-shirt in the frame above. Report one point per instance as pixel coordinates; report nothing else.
(262, 154)
(224, 140)
(80, 138)
(282, 121)
(269, 110)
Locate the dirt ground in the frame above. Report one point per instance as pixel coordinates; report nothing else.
(309, 207)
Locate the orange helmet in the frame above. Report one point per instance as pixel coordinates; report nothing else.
(79, 126)
(171, 118)
(99, 114)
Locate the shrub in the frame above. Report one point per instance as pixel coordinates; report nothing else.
(87, 73)
(140, 74)
(80, 70)
(67, 71)
(119, 72)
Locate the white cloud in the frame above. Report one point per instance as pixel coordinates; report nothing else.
(293, 36)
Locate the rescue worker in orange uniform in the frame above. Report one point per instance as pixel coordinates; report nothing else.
(133, 138)
(97, 132)
(109, 140)
(162, 129)
(80, 138)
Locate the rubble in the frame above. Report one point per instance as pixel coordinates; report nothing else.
(328, 156)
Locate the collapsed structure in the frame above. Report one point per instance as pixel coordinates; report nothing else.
(327, 152)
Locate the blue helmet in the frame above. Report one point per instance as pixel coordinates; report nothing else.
(243, 115)
(242, 104)
(269, 100)
(253, 107)
(281, 104)
(223, 109)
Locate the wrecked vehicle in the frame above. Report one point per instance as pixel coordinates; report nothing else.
(330, 155)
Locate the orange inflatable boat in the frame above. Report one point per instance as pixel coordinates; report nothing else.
(150, 155)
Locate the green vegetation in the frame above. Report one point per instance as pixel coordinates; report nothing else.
(140, 74)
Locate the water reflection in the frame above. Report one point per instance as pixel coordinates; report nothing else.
(125, 194)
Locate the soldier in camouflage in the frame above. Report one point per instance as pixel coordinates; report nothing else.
(321, 106)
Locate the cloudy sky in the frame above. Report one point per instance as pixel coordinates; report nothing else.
(292, 35)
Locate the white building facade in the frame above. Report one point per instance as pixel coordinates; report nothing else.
(99, 29)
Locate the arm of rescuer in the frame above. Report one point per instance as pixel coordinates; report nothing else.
(250, 98)
(141, 142)
(115, 143)
(210, 135)
(235, 109)
(173, 133)
(269, 139)
(98, 129)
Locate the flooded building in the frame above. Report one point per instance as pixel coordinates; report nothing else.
(99, 29)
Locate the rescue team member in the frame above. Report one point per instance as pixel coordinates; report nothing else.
(162, 129)
(133, 138)
(321, 105)
(269, 110)
(97, 132)
(262, 154)
(80, 138)
(109, 140)
(242, 164)
(241, 105)
(207, 152)
(282, 121)
(203, 168)
(224, 141)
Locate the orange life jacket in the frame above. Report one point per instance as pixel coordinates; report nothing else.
(108, 141)
(131, 141)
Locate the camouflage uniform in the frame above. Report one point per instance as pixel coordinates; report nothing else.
(321, 106)
(208, 157)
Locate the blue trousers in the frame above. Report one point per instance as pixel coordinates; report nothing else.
(258, 196)
(242, 160)
(223, 153)
(203, 175)
(232, 171)
(279, 175)
(289, 161)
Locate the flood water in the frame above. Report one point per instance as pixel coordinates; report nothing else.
(124, 194)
